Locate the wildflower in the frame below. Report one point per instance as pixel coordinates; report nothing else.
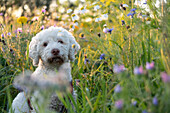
(155, 101)
(118, 69)
(118, 89)
(81, 35)
(19, 30)
(144, 111)
(96, 7)
(105, 16)
(107, 30)
(102, 56)
(69, 10)
(2, 35)
(77, 82)
(149, 66)
(83, 10)
(22, 20)
(119, 104)
(1, 14)
(134, 102)
(123, 22)
(132, 12)
(43, 11)
(86, 61)
(11, 50)
(98, 19)
(165, 77)
(9, 34)
(138, 70)
(35, 18)
(42, 27)
(91, 30)
(74, 17)
(123, 6)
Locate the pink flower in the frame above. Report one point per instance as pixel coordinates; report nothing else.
(43, 11)
(149, 66)
(138, 70)
(165, 77)
(119, 104)
(118, 69)
(19, 30)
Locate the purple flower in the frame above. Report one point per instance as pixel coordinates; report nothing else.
(9, 34)
(42, 27)
(43, 11)
(86, 61)
(134, 103)
(134, 9)
(155, 101)
(149, 66)
(123, 22)
(19, 30)
(138, 70)
(144, 111)
(165, 77)
(107, 30)
(110, 30)
(2, 35)
(102, 56)
(118, 88)
(1, 14)
(118, 69)
(119, 104)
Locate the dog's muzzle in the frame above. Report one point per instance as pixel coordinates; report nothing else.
(56, 59)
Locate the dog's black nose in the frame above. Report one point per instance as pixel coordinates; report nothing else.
(55, 51)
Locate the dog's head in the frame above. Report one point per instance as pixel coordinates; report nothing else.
(54, 45)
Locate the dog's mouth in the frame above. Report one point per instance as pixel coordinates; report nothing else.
(56, 59)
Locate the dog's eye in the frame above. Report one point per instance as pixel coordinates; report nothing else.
(60, 41)
(45, 44)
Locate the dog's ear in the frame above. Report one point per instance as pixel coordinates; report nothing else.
(74, 47)
(33, 52)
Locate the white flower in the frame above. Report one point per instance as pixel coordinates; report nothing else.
(96, 7)
(76, 24)
(74, 17)
(69, 10)
(98, 19)
(83, 10)
(105, 16)
(125, 5)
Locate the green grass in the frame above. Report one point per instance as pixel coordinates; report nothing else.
(131, 47)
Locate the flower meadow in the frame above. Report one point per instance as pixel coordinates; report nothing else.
(122, 67)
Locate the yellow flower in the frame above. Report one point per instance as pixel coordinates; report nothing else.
(22, 20)
(107, 1)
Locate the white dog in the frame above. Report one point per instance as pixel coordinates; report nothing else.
(52, 49)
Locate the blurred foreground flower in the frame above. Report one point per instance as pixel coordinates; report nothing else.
(132, 12)
(96, 7)
(19, 30)
(149, 66)
(98, 19)
(22, 20)
(69, 10)
(43, 11)
(102, 56)
(155, 101)
(86, 61)
(165, 77)
(138, 70)
(119, 104)
(117, 69)
(118, 89)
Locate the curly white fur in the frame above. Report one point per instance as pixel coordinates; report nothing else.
(41, 52)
